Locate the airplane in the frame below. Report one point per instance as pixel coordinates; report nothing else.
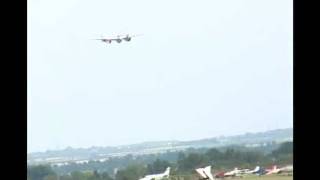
(157, 176)
(244, 171)
(257, 170)
(254, 171)
(205, 173)
(273, 170)
(286, 169)
(118, 39)
(219, 174)
(233, 173)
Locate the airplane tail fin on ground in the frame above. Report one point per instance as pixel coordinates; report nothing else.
(167, 172)
(256, 169)
(207, 171)
(200, 171)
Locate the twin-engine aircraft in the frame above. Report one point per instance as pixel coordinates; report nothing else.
(118, 38)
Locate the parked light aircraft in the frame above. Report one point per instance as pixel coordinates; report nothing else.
(244, 171)
(118, 38)
(254, 171)
(205, 173)
(233, 173)
(157, 176)
(274, 170)
(261, 172)
(286, 169)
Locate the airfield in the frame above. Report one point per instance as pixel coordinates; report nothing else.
(248, 177)
(264, 177)
(284, 173)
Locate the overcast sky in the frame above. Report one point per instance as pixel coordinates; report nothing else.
(201, 69)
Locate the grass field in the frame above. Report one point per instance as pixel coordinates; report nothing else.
(266, 177)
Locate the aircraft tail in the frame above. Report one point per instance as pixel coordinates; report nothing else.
(167, 172)
(207, 171)
(201, 172)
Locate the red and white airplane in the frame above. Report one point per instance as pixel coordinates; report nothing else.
(273, 170)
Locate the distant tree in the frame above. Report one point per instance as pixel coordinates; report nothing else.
(132, 172)
(105, 176)
(157, 166)
(229, 154)
(214, 155)
(39, 172)
(285, 148)
(78, 175)
(192, 161)
(283, 155)
(96, 174)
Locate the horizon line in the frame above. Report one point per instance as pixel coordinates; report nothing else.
(142, 142)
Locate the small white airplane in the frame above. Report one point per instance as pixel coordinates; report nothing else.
(233, 173)
(118, 38)
(254, 171)
(244, 171)
(205, 173)
(157, 176)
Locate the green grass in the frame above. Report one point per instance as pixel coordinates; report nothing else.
(265, 177)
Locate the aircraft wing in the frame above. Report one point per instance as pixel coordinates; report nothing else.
(230, 173)
(287, 168)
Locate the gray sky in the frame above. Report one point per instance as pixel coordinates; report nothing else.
(201, 69)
